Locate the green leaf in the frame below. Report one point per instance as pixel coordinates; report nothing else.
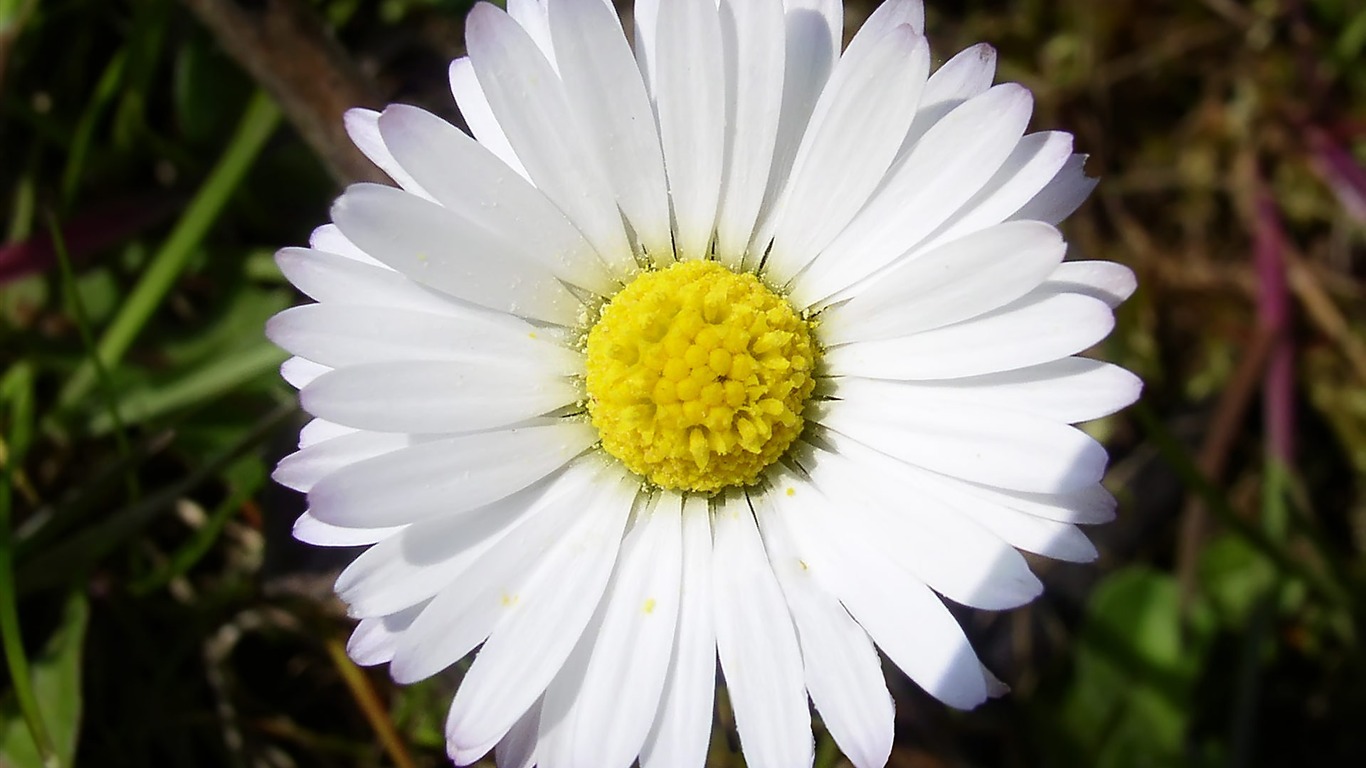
(56, 677)
(1130, 702)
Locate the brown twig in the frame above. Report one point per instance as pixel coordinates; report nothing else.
(288, 50)
(363, 691)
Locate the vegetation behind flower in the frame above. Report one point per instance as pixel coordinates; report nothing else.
(155, 612)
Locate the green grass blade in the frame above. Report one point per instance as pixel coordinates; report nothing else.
(18, 392)
(258, 123)
(82, 319)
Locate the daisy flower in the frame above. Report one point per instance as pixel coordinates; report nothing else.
(726, 349)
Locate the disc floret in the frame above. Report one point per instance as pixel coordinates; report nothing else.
(697, 376)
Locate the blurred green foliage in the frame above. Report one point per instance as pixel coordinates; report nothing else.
(155, 613)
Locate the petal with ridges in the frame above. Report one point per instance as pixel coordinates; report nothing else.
(341, 336)
(1005, 449)
(843, 671)
(602, 709)
(463, 176)
(452, 253)
(690, 93)
(814, 30)
(1070, 390)
(1026, 333)
(330, 278)
(955, 282)
(608, 95)
(967, 75)
(531, 106)
(905, 619)
(752, 39)
(1029, 168)
(944, 170)
(682, 726)
(439, 397)
(884, 510)
(478, 577)
(757, 644)
(534, 638)
(474, 107)
(855, 130)
(447, 476)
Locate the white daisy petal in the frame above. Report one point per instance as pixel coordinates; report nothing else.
(1029, 332)
(843, 672)
(362, 125)
(299, 373)
(1005, 449)
(1105, 280)
(1070, 390)
(814, 31)
(609, 98)
(854, 133)
(534, 16)
(329, 239)
(1062, 196)
(603, 714)
(532, 108)
(958, 281)
(906, 620)
(478, 572)
(646, 27)
(967, 75)
(754, 47)
(1029, 168)
(436, 397)
(1084, 506)
(682, 726)
(340, 336)
(518, 749)
(1060, 541)
(465, 177)
(689, 93)
(331, 278)
(892, 14)
(945, 169)
(374, 640)
(456, 255)
(303, 469)
(533, 639)
(311, 530)
(950, 497)
(321, 430)
(950, 553)
(757, 644)
(852, 75)
(474, 107)
(446, 476)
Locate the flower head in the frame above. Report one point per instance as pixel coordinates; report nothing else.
(731, 347)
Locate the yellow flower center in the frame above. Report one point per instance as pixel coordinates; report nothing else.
(697, 376)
